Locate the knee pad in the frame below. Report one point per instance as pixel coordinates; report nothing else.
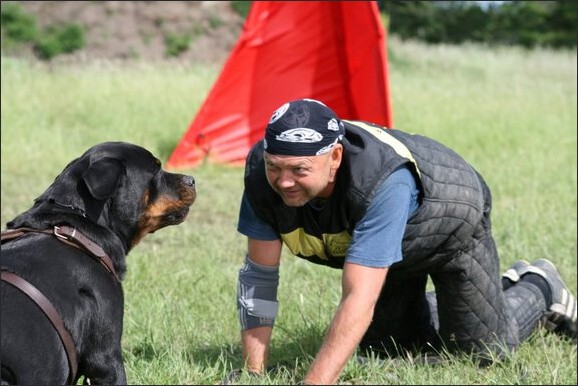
(257, 294)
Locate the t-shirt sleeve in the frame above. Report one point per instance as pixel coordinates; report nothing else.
(252, 226)
(377, 238)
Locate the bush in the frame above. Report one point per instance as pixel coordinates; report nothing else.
(60, 39)
(175, 45)
(17, 26)
(20, 28)
(241, 7)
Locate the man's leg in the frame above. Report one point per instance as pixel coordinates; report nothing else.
(472, 310)
(402, 319)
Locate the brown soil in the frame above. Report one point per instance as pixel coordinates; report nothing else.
(137, 29)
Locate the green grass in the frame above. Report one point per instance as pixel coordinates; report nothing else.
(511, 113)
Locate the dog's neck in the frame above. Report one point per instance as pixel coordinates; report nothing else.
(47, 210)
(92, 210)
(71, 207)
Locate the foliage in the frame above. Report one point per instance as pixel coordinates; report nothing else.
(20, 27)
(16, 24)
(177, 44)
(241, 7)
(525, 23)
(59, 39)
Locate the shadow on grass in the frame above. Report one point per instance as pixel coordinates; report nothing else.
(290, 353)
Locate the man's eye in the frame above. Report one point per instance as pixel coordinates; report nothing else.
(271, 168)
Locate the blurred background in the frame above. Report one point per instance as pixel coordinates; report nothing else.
(204, 32)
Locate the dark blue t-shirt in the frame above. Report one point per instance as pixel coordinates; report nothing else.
(376, 239)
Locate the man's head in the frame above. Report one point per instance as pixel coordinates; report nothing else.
(303, 150)
(304, 127)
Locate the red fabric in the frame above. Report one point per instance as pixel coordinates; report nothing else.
(333, 51)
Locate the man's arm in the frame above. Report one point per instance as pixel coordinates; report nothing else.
(364, 273)
(361, 287)
(255, 341)
(256, 348)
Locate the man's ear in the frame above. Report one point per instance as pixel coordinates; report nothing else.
(336, 154)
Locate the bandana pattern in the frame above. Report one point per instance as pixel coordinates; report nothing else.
(304, 127)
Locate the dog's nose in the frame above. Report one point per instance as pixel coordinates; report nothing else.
(189, 180)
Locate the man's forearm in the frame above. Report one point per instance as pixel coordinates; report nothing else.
(256, 347)
(343, 336)
(361, 288)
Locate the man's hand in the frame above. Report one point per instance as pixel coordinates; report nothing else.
(234, 375)
(361, 289)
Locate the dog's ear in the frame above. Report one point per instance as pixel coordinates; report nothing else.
(103, 176)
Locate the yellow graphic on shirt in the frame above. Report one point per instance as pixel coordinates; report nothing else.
(301, 243)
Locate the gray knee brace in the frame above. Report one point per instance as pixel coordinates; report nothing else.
(257, 294)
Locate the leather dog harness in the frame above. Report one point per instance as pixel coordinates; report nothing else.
(73, 237)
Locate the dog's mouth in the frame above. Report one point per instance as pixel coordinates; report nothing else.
(167, 210)
(177, 216)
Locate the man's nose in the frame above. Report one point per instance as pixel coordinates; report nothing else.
(285, 179)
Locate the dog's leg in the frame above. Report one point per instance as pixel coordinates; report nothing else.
(105, 368)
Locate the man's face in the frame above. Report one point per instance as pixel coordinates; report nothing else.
(300, 179)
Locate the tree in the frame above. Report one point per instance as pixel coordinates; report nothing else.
(525, 23)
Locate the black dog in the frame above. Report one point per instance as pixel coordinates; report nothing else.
(68, 253)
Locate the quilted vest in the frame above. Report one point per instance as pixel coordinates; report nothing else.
(451, 198)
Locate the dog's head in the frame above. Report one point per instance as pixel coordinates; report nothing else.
(119, 186)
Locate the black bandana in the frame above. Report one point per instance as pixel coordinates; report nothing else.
(304, 127)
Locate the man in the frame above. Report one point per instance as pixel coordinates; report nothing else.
(389, 208)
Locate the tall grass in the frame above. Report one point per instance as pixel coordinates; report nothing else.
(511, 113)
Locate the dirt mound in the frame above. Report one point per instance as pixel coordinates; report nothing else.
(140, 29)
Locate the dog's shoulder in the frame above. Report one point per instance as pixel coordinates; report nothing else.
(45, 217)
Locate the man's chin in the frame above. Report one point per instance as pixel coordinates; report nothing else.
(294, 202)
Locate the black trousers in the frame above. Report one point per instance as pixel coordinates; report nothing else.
(469, 311)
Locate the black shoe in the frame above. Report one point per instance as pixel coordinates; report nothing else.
(520, 267)
(562, 315)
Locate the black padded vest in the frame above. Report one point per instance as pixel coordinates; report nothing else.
(451, 200)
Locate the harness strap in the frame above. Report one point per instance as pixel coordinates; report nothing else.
(70, 236)
(65, 232)
(9, 234)
(53, 315)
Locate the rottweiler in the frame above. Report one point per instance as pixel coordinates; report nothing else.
(64, 258)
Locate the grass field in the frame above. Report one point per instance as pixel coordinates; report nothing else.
(511, 113)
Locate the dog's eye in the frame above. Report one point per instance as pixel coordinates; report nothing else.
(158, 166)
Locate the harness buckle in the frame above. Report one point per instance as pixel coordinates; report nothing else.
(62, 235)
